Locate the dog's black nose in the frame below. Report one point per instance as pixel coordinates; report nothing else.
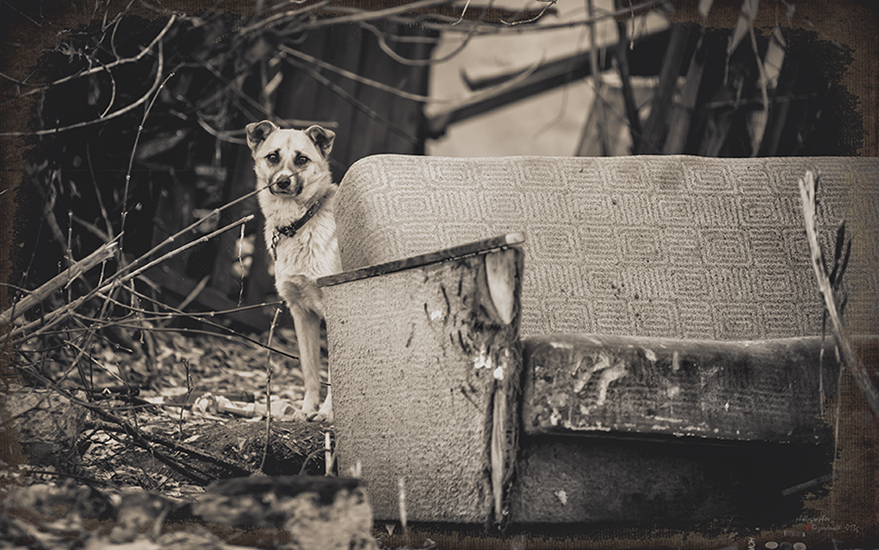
(283, 184)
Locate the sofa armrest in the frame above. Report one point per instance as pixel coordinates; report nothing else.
(425, 362)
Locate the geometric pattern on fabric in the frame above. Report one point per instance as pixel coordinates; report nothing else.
(666, 246)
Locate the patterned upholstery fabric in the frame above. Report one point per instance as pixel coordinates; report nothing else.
(672, 246)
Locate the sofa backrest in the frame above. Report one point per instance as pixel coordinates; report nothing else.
(669, 246)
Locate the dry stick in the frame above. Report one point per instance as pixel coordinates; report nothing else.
(177, 313)
(535, 18)
(328, 455)
(195, 292)
(239, 93)
(191, 226)
(189, 389)
(597, 79)
(763, 80)
(807, 194)
(102, 254)
(625, 78)
(269, 369)
(95, 361)
(228, 337)
(113, 283)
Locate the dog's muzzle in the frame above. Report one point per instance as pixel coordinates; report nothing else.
(290, 185)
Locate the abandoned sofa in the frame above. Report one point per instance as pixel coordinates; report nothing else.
(666, 298)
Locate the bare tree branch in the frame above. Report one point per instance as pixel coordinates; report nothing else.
(143, 99)
(108, 66)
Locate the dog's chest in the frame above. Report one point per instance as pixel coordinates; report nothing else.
(313, 251)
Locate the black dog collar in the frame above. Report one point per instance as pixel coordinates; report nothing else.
(290, 230)
(293, 228)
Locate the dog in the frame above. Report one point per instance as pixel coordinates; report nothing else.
(298, 199)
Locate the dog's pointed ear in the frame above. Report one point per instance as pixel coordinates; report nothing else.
(257, 132)
(322, 138)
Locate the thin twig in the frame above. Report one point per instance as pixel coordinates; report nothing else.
(269, 371)
(188, 228)
(86, 123)
(137, 438)
(763, 83)
(233, 467)
(178, 313)
(807, 194)
(383, 44)
(107, 66)
(281, 18)
(146, 114)
(463, 12)
(494, 30)
(536, 18)
(189, 388)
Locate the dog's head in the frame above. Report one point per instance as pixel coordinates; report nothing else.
(293, 162)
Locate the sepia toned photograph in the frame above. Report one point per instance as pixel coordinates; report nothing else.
(439, 274)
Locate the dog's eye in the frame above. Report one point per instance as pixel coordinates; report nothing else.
(301, 160)
(273, 157)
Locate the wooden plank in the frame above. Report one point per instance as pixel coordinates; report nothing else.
(545, 78)
(642, 62)
(771, 390)
(426, 367)
(511, 239)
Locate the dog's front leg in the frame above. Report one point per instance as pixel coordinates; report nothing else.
(305, 301)
(307, 324)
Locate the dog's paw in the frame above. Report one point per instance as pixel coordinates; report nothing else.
(312, 416)
(321, 417)
(302, 416)
(325, 414)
